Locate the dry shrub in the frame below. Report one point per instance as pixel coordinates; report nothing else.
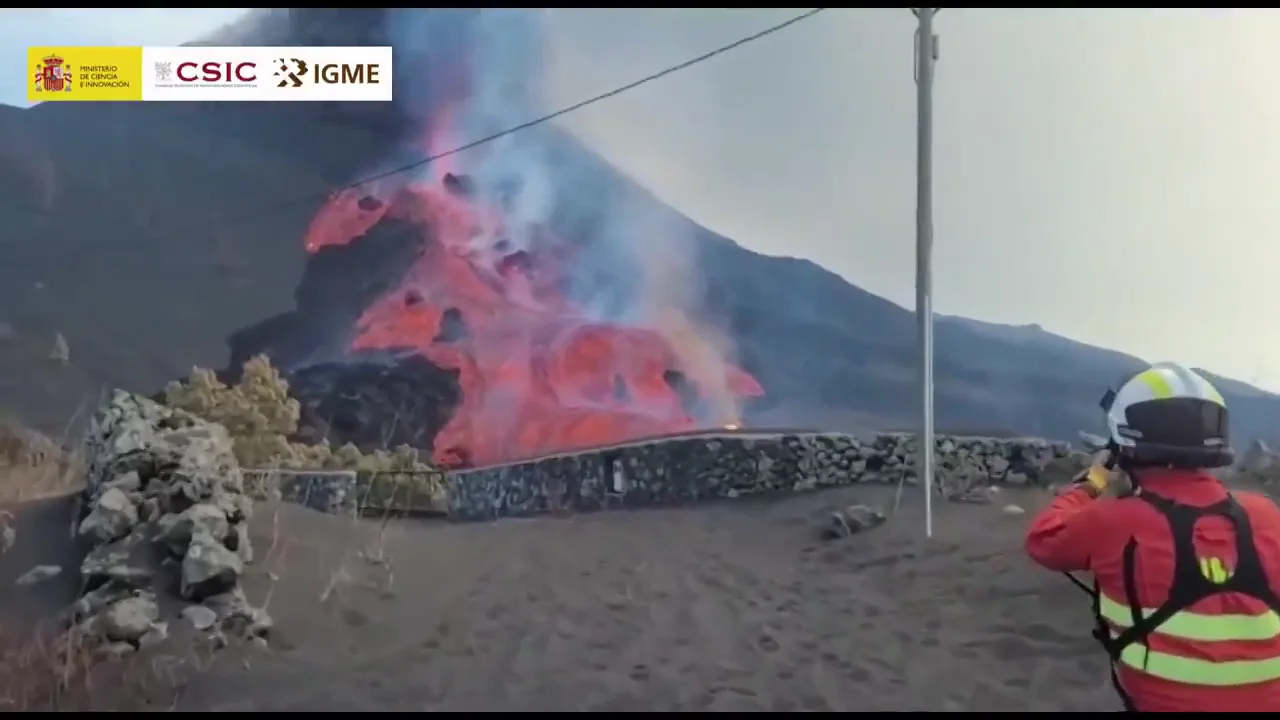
(34, 466)
(61, 672)
(261, 417)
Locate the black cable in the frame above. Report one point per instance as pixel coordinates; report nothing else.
(523, 126)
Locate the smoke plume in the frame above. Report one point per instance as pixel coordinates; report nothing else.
(470, 74)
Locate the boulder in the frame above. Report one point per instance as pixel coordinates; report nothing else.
(852, 520)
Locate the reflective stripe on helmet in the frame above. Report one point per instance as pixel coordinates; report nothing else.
(1157, 383)
(1198, 627)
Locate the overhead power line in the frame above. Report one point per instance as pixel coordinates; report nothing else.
(523, 126)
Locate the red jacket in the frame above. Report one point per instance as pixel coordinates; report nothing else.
(1077, 533)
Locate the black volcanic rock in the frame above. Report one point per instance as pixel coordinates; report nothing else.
(375, 400)
(338, 283)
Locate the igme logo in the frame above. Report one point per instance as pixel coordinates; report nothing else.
(291, 72)
(294, 72)
(349, 74)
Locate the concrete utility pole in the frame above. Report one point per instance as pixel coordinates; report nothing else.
(926, 46)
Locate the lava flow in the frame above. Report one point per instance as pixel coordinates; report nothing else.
(537, 376)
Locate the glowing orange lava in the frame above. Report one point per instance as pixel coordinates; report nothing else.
(537, 376)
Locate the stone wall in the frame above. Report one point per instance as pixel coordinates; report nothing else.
(183, 466)
(348, 492)
(164, 511)
(685, 469)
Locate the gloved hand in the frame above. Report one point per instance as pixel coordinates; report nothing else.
(1097, 476)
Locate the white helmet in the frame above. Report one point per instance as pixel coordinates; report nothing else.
(1168, 415)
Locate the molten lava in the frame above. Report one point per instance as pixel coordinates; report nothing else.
(537, 376)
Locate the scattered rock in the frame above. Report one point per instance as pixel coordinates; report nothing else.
(60, 352)
(38, 574)
(852, 520)
(200, 617)
(980, 495)
(237, 616)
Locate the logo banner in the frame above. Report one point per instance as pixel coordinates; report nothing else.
(212, 74)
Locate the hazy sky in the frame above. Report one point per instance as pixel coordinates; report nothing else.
(1109, 174)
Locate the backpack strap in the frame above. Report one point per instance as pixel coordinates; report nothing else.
(1189, 585)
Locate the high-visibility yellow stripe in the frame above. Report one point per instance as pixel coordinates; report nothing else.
(1191, 671)
(1198, 627)
(1213, 570)
(1157, 383)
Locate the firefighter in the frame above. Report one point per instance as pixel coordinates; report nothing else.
(1186, 588)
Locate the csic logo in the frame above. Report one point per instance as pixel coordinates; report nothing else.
(225, 72)
(291, 72)
(211, 74)
(294, 73)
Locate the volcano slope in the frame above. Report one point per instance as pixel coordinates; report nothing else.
(730, 607)
(149, 234)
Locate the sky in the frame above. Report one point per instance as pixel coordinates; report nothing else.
(1109, 174)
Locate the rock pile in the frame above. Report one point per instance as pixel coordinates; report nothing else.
(165, 513)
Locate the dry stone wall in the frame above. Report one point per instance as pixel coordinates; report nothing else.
(350, 492)
(164, 513)
(165, 476)
(679, 470)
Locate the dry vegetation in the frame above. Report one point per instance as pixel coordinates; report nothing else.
(33, 466)
(261, 417)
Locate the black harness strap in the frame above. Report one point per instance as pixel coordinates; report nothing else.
(1189, 585)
